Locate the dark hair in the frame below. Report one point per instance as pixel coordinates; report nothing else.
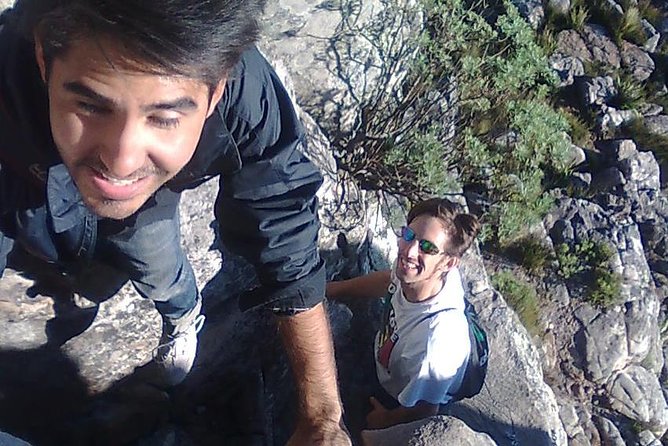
(460, 228)
(200, 39)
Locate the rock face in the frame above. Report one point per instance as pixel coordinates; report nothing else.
(335, 55)
(614, 357)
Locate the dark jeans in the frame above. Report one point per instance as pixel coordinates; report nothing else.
(148, 254)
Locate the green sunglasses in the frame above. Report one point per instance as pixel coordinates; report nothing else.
(425, 246)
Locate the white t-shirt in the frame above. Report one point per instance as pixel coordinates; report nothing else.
(422, 349)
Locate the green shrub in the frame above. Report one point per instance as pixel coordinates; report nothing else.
(630, 27)
(569, 263)
(578, 15)
(522, 298)
(478, 74)
(581, 132)
(624, 27)
(650, 12)
(532, 254)
(548, 41)
(606, 289)
(589, 261)
(630, 93)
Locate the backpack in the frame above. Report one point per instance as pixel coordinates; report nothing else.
(476, 367)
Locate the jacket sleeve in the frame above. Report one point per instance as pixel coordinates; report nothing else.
(267, 210)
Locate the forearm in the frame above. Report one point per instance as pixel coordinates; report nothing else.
(370, 286)
(308, 342)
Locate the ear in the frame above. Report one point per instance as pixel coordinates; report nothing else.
(39, 57)
(215, 97)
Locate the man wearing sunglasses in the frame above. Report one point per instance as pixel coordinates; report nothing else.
(422, 348)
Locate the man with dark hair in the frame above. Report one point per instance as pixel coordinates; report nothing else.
(422, 348)
(109, 109)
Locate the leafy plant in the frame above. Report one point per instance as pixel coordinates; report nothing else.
(581, 132)
(650, 12)
(630, 27)
(532, 254)
(589, 261)
(606, 289)
(622, 26)
(579, 14)
(569, 263)
(522, 298)
(630, 93)
(473, 106)
(548, 40)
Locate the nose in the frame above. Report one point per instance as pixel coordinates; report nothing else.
(122, 150)
(410, 249)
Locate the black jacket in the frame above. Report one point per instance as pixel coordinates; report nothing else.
(266, 207)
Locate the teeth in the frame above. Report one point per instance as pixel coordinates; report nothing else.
(118, 182)
(409, 265)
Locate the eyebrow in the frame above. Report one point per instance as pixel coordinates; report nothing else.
(184, 103)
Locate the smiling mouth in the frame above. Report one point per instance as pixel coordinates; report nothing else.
(119, 189)
(118, 181)
(408, 265)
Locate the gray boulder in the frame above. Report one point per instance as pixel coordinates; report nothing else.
(657, 124)
(567, 68)
(602, 47)
(596, 91)
(571, 43)
(532, 11)
(636, 394)
(653, 36)
(636, 61)
(428, 432)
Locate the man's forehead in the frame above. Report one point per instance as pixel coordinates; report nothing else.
(108, 54)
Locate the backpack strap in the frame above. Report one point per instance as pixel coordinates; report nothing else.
(476, 367)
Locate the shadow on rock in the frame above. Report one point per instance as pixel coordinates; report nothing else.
(40, 394)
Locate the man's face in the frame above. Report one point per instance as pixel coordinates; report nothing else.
(122, 133)
(415, 266)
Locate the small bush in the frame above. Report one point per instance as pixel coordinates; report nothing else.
(588, 262)
(581, 133)
(607, 287)
(532, 254)
(579, 15)
(548, 41)
(630, 93)
(650, 12)
(474, 105)
(630, 27)
(522, 298)
(569, 263)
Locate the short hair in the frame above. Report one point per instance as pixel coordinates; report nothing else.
(460, 228)
(199, 39)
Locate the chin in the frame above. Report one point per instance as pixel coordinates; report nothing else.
(115, 210)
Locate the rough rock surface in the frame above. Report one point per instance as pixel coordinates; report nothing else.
(332, 52)
(612, 359)
(637, 61)
(432, 431)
